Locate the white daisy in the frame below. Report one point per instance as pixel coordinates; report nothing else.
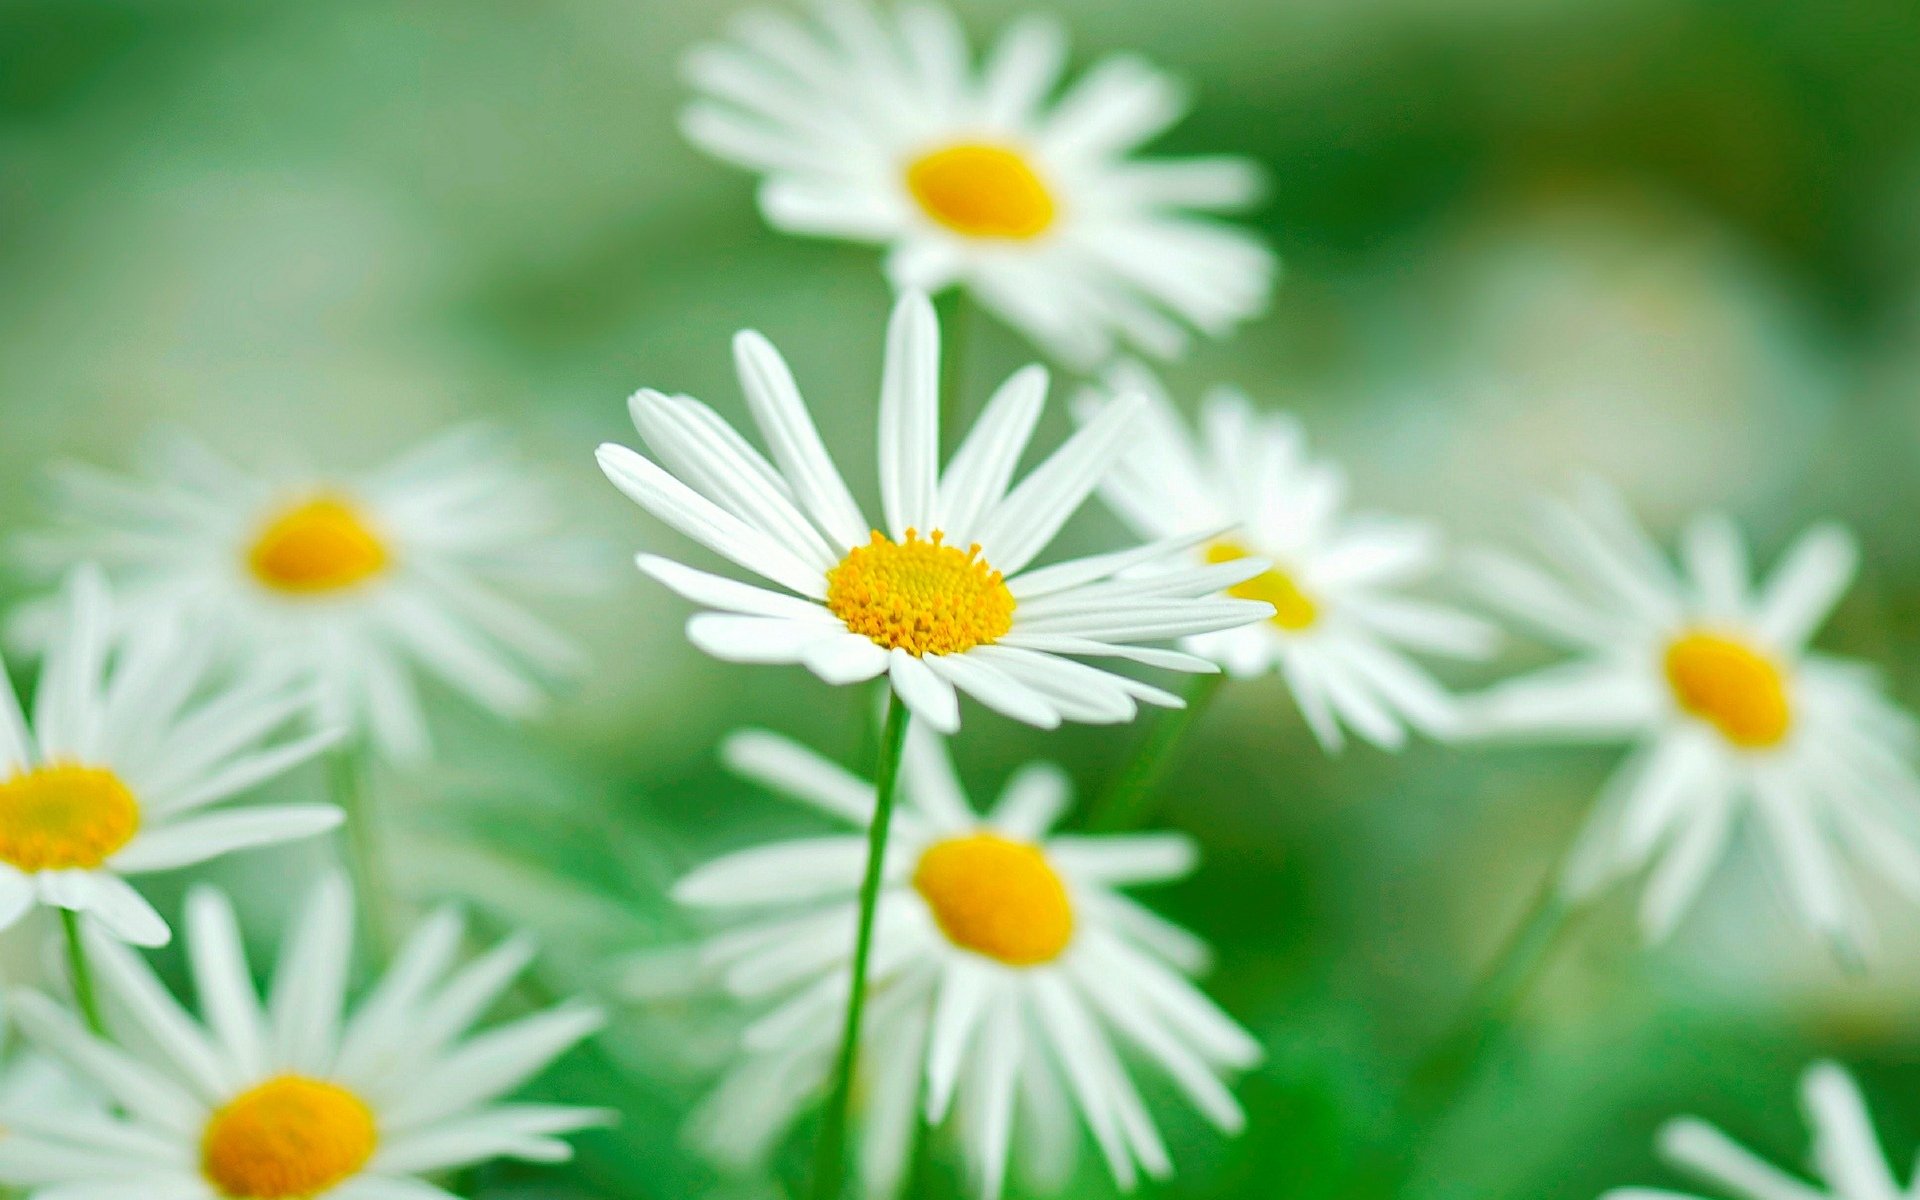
(347, 582)
(1709, 678)
(125, 755)
(1341, 633)
(940, 596)
(1006, 971)
(875, 127)
(1847, 1159)
(294, 1099)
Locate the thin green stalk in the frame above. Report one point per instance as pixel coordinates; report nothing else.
(1129, 803)
(830, 1158)
(955, 309)
(82, 972)
(347, 777)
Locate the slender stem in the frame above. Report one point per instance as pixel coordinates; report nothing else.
(1129, 803)
(82, 972)
(347, 776)
(956, 314)
(829, 1172)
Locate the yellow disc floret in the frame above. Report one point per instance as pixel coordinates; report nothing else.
(982, 191)
(318, 546)
(1293, 610)
(924, 597)
(996, 897)
(287, 1139)
(1738, 690)
(64, 816)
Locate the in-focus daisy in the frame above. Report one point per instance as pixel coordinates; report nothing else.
(1847, 1161)
(1008, 974)
(938, 597)
(1342, 632)
(876, 127)
(125, 755)
(1709, 679)
(293, 1098)
(350, 583)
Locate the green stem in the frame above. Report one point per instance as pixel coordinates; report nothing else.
(347, 776)
(955, 310)
(82, 972)
(1129, 803)
(829, 1173)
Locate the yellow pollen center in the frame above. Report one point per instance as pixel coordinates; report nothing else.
(64, 816)
(287, 1139)
(924, 597)
(318, 546)
(996, 897)
(983, 191)
(1731, 686)
(1293, 610)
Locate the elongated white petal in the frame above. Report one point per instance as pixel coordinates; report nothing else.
(910, 417)
(774, 400)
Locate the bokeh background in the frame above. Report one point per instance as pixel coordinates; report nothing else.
(1672, 242)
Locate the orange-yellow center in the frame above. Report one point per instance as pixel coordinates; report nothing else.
(287, 1139)
(1738, 690)
(316, 547)
(1293, 610)
(996, 897)
(64, 816)
(982, 190)
(924, 597)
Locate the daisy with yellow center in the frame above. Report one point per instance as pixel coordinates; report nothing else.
(1709, 678)
(875, 125)
(1008, 970)
(294, 1098)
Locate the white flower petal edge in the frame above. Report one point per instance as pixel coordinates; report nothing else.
(939, 597)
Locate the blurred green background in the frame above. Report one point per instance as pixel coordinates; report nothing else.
(1674, 243)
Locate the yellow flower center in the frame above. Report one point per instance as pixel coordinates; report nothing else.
(982, 191)
(287, 1139)
(1293, 610)
(924, 597)
(996, 897)
(63, 816)
(318, 546)
(1731, 686)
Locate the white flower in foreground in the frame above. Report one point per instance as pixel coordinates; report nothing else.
(1341, 633)
(1710, 680)
(125, 755)
(1008, 972)
(348, 583)
(1847, 1159)
(293, 1098)
(939, 597)
(876, 127)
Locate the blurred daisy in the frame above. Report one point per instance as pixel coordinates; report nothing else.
(1341, 633)
(875, 127)
(291, 1098)
(1847, 1159)
(125, 755)
(347, 583)
(1708, 677)
(1008, 974)
(940, 598)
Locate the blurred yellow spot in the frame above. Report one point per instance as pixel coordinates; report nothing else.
(924, 597)
(1293, 610)
(982, 191)
(1731, 686)
(287, 1139)
(318, 546)
(996, 897)
(63, 816)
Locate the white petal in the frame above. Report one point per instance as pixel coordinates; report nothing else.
(1032, 801)
(199, 839)
(910, 417)
(728, 595)
(785, 766)
(775, 402)
(930, 697)
(995, 689)
(1805, 587)
(310, 981)
(785, 872)
(1024, 523)
(757, 639)
(977, 478)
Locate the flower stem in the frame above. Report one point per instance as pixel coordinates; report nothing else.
(347, 777)
(1129, 803)
(82, 972)
(956, 315)
(829, 1170)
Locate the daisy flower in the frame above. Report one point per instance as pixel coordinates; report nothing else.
(1847, 1159)
(125, 756)
(1008, 973)
(939, 597)
(1342, 634)
(346, 582)
(1709, 678)
(291, 1098)
(876, 127)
